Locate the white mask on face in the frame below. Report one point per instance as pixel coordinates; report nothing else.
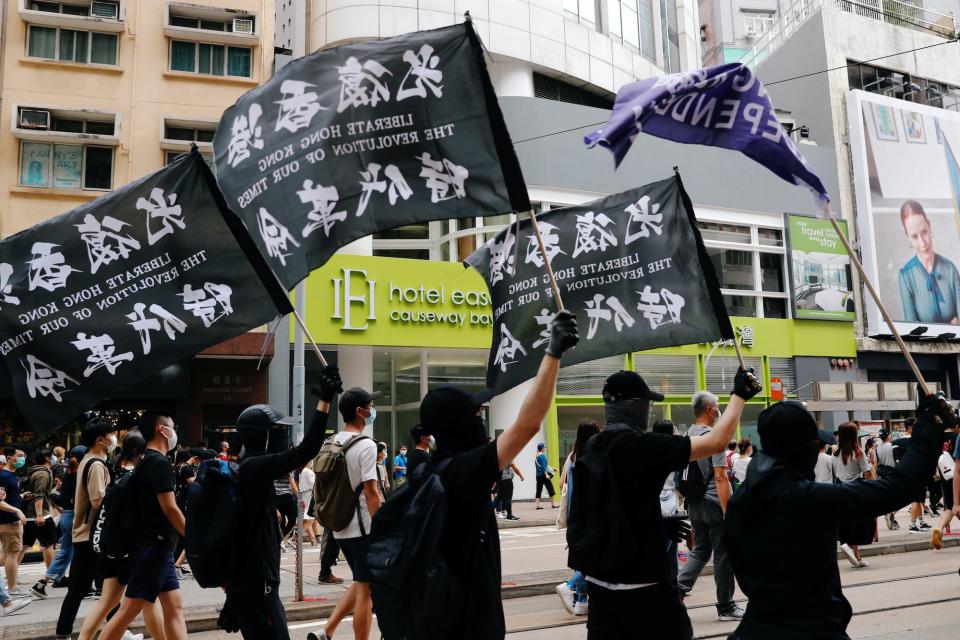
(113, 443)
(171, 439)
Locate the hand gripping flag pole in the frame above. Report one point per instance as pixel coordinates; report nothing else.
(880, 306)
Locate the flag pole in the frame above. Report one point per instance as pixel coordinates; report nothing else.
(546, 261)
(736, 347)
(306, 332)
(883, 309)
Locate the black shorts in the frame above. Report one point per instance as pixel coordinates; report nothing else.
(617, 614)
(152, 572)
(355, 551)
(545, 482)
(46, 534)
(113, 568)
(948, 494)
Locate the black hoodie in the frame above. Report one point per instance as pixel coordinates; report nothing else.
(781, 536)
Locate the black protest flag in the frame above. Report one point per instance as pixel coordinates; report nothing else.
(97, 299)
(631, 266)
(364, 138)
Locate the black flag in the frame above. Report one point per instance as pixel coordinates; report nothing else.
(101, 297)
(632, 266)
(363, 138)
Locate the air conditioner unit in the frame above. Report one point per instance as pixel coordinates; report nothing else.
(34, 119)
(243, 25)
(109, 10)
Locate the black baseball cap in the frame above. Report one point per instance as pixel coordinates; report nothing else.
(447, 404)
(353, 398)
(628, 385)
(789, 422)
(262, 416)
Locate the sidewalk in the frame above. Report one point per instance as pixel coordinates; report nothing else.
(37, 621)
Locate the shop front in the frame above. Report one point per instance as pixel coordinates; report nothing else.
(403, 327)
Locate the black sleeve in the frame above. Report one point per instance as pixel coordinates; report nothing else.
(668, 453)
(159, 476)
(275, 465)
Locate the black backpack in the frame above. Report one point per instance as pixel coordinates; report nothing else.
(598, 532)
(691, 483)
(116, 523)
(214, 539)
(404, 560)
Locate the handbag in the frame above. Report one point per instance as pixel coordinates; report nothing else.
(562, 511)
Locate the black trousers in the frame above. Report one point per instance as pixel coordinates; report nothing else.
(261, 614)
(287, 506)
(330, 552)
(83, 570)
(505, 495)
(648, 613)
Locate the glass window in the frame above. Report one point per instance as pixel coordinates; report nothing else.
(183, 21)
(42, 42)
(175, 133)
(569, 419)
(183, 56)
(68, 166)
(742, 306)
(669, 375)
(213, 25)
(419, 231)
(383, 377)
(410, 254)
(587, 378)
(35, 164)
(467, 369)
(98, 170)
(772, 272)
(68, 126)
(724, 232)
(205, 135)
(734, 268)
(103, 48)
(774, 308)
(76, 10)
(770, 237)
(383, 432)
(682, 417)
(210, 59)
(406, 420)
(406, 368)
(52, 7)
(720, 370)
(853, 76)
(99, 128)
(238, 62)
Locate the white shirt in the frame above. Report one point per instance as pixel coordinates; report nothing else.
(855, 467)
(740, 468)
(307, 479)
(361, 467)
(823, 471)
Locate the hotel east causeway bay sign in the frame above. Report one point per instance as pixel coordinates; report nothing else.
(363, 300)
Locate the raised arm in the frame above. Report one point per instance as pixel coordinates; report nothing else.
(745, 386)
(563, 335)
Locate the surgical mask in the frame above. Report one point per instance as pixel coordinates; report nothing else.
(433, 442)
(368, 421)
(113, 443)
(54, 460)
(171, 439)
(21, 460)
(403, 452)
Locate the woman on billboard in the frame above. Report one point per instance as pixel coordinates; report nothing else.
(929, 283)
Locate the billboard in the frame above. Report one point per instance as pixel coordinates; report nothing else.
(819, 270)
(907, 185)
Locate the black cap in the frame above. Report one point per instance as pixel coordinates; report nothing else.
(448, 404)
(628, 385)
(789, 422)
(353, 398)
(262, 416)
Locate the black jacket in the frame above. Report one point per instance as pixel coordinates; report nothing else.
(781, 536)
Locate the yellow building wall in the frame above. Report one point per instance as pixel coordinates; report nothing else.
(142, 90)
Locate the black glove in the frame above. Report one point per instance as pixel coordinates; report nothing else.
(563, 333)
(229, 619)
(745, 384)
(936, 408)
(677, 527)
(330, 383)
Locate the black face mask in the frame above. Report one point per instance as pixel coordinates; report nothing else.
(801, 456)
(254, 441)
(469, 433)
(278, 439)
(632, 412)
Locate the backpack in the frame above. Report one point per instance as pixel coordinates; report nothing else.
(335, 498)
(403, 558)
(594, 538)
(691, 483)
(116, 523)
(213, 538)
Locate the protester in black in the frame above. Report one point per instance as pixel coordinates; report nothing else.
(615, 529)
(797, 595)
(152, 575)
(420, 453)
(253, 604)
(469, 608)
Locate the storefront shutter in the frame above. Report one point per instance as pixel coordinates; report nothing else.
(669, 375)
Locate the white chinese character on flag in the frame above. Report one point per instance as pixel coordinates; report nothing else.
(441, 176)
(593, 234)
(102, 353)
(144, 325)
(360, 85)
(543, 320)
(44, 380)
(210, 303)
(646, 217)
(163, 208)
(423, 69)
(507, 349)
(551, 244)
(502, 257)
(297, 106)
(656, 306)
(6, 288)
(104, 242)
(395, 185)
(244, 133)
(48, 269)
(616, 312)
(324, 201)
(275, 236)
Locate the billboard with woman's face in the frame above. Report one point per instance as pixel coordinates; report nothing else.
(907, 183)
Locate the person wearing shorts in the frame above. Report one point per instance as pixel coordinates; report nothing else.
(11, 517)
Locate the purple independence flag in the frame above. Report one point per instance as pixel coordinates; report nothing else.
(722, 106)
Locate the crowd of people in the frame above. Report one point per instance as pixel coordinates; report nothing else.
(624, 522)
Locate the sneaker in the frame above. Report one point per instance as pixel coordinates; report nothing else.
(862, 564)
(320, 635)
(62, 583)
(896, 525)
(330, 579)
(180, 576)
(936, 538)
(581, 608)
(501, 516)
(924, 526)
(851, 556)
(512, 518)
(16, 605)
(566, 597)
(93, 594)
(39, 590)
(914, 528)
(732, 615)
(889, 521)
(132, 636)
(19, 592)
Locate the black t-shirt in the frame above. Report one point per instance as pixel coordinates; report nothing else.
(416, 457)
(471, 546)
(153, 475)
